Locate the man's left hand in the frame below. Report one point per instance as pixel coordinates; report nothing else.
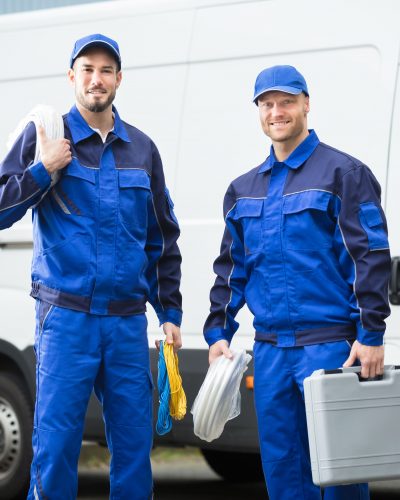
(172, 336)
(371, 359)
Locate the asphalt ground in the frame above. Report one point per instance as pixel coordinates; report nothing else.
(182, 474)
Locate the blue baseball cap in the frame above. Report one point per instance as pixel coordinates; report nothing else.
(280, 78)
(96, 40)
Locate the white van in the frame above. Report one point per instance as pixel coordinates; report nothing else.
(188, 72)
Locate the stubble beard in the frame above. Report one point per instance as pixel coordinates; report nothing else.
(95, 107)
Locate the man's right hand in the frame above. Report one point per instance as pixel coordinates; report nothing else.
(220, 347)
(55, 153)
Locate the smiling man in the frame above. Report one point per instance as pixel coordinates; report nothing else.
(104, 244)
(305, 246)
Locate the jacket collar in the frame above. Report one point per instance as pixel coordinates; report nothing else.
(303, 151)
(80, 130)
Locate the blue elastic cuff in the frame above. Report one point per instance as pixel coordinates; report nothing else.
(40, 174)
(215, 334)
(171, 316)
(367, 337)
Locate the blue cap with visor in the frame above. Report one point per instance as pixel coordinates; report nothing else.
(96, 40)
(279, 78)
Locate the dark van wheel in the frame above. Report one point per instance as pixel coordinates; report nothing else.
(235, 467)
(15, 437)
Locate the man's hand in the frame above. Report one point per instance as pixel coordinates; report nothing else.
(371, 359)
(220, 347)
(55, 153)
(172, 336)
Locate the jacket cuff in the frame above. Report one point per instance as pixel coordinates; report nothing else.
(367, 337)
(171, 316)
(215, 334)
(40, 175)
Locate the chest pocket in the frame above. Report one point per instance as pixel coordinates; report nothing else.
(307, 221)
(249, 214)
(134, 195)
(75, 192)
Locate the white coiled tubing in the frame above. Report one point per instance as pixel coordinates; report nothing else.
(219, 398)
(53, 125)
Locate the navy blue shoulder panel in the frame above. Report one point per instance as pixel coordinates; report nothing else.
(252, 184)
(323, 170)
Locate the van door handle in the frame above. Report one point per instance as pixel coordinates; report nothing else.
(394, 284)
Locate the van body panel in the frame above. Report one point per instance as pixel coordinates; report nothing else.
(188, 74)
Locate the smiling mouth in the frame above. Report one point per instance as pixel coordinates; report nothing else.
(96, 91)
(280, 123)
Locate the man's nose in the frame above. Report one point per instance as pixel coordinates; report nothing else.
(276, 109)
(96, 78)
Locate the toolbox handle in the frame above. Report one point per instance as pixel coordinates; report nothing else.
(357, 371)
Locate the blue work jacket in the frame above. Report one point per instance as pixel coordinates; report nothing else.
(105, 234)
(306, 247)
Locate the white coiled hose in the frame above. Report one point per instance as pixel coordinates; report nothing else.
(219, 399)
(53, 125)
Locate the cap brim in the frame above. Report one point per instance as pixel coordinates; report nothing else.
(287, 90)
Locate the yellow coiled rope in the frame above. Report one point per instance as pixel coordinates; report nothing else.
(177, 402)
(172, 397)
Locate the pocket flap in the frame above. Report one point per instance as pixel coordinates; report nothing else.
(74, 169)
(248, 207)
(371, 214)
(317, 200)
(133, 178)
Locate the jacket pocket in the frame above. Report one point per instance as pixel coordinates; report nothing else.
(75, 193)
(134, 196)
(307, 224)
(372, 222)
(248, 212)
(65, 265)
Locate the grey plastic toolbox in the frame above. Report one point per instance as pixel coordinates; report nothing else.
(353, 426)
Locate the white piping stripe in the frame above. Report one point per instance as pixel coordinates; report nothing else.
(355, 271)
(133, 168)
(230, 210)
(20, 203)
(162, 253)
(44, 319)
(116, 168)
(306, 190)
(229, 285)
(60, 202)
(243, 198)
(251, 198)
(35, 493)
(82, 165)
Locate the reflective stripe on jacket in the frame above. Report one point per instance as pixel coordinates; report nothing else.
(306, 247)
(105, 234)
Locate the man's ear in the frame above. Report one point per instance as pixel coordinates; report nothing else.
(71, 76)
(119, 78)
(307, 105)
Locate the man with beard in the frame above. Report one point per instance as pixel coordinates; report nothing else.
(305, 246)
(104, 244)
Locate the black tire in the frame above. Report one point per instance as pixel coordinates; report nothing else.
(235, 467)
(15, 437)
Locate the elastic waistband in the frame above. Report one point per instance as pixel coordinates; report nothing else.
(308, 337)
(125, 307)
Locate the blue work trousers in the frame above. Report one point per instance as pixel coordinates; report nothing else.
(278, 388)
(76, 352)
